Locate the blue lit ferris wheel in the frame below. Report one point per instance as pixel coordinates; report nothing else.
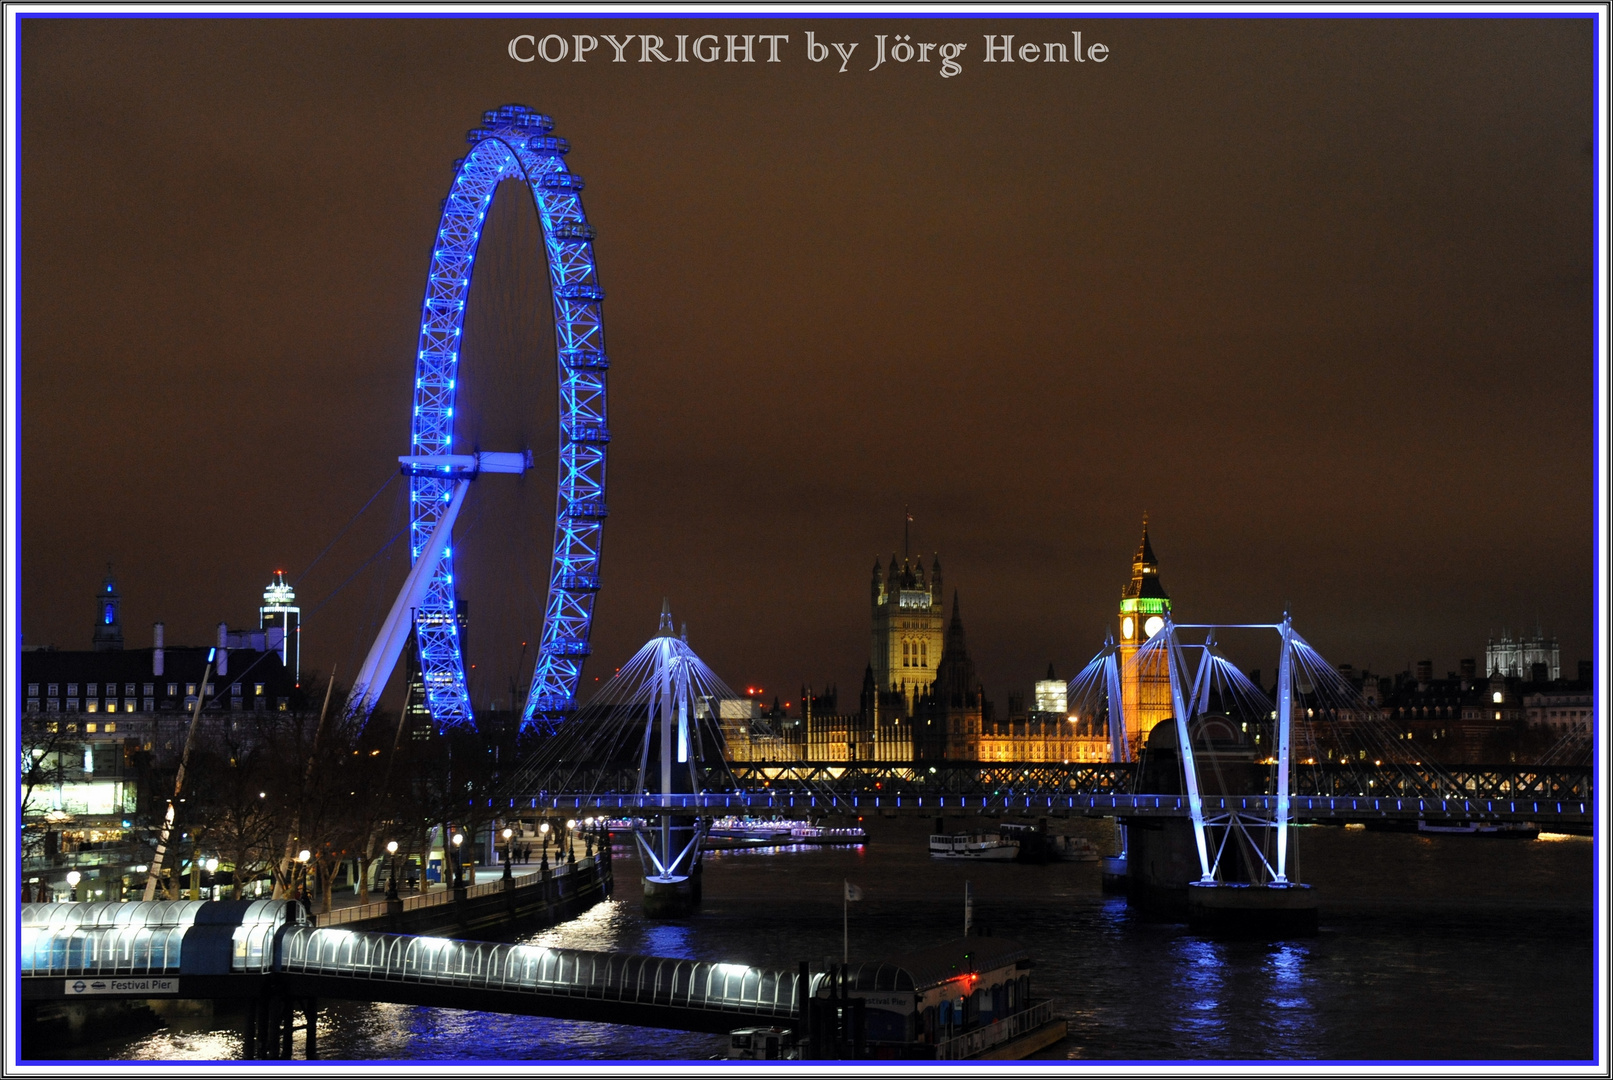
(513, 143)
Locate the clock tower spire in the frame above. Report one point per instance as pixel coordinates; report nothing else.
(1144, 688)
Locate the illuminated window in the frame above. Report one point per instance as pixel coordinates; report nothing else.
(89, 706)
(128, 706)
(110, 728)
(190, 689)
(173, 689)
(257, 688)
(72, 727)
(89, 729)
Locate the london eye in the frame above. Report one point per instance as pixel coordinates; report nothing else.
(513, 143)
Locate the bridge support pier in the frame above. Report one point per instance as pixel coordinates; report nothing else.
(310, 1020)
(249, 1033)
(668, 897)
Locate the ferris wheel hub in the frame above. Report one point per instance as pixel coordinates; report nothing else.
(464, 466)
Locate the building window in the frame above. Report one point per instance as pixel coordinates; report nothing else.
(72, 689)
(89, 729)
(90, 706)
(235, 704)
(211, 689)
(190, 689)
(257, 688)
(71, 705)
(173, 689)
(149, 688)
(33, 704)
(55, 688)
(260, 704)
(235, 689)
(128, 688)
(128, 706)
(151, 704)
(33, 689)
(110, 728)
(72, 728)
(52, 705)
(90, 688)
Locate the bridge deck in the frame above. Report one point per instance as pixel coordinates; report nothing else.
(1344, 808)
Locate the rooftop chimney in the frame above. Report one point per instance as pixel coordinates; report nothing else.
(156, 650)
(223, 649)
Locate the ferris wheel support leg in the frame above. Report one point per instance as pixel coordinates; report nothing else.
(383, 656)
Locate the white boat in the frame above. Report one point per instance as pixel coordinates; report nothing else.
(1076, 849)
(974, 847)
(750, 830)
(1512, 830)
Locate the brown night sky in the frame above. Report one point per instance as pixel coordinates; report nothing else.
(1318, 295)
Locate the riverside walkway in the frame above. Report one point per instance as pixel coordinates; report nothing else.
(265, 953)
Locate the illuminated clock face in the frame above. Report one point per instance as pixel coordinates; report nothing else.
(1127, 627)
(1154, 625)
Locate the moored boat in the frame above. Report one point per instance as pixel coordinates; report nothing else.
(973, 847)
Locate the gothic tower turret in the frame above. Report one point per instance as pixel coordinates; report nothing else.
(907, 617)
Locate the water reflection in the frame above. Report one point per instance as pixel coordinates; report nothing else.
(179, 1045)
(1289, 1018)
(1201, 967)
(1405, 968)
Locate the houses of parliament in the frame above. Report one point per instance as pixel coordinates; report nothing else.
(922, 701)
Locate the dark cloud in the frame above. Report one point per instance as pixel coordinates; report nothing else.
(1315, 293)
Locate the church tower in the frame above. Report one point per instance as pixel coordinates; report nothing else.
(1145, 689)
(906, 627)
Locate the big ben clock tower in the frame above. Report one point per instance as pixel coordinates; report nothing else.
(1145, 689)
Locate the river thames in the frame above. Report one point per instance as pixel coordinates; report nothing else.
(1444, 948)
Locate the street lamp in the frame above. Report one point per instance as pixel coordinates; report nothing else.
(392, 881)
(543, 833)
(588, 834)
(211, 866)
(508, 832)
(571, 830)
(459, 866)
(301, 888)
(72, 883)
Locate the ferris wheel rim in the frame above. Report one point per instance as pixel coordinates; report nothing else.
(514, 143)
